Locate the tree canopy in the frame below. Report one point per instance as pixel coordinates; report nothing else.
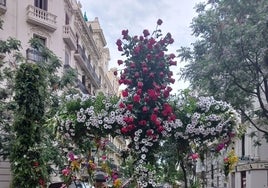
(229, 59)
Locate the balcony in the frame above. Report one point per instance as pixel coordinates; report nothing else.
(3, 7)
(34, 55)
(69, 37)
(82, 87)
(41, 18)
(81, 58)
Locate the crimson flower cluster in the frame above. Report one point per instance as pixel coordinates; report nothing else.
(147, 76)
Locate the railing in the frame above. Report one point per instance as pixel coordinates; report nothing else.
(88, 65)
(68, 32)
(42, 16)
(34, 55)
(82, 87)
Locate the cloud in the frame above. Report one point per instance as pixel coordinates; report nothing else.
(136, 15)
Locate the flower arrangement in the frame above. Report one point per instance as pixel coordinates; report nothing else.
(147, 75)
(204, 121)
(229, 162)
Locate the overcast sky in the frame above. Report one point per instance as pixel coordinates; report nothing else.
(136, 15)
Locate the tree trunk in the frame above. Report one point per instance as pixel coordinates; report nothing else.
(184, 173)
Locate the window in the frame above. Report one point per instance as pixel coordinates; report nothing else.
(41, 39)
(67, 19)
(42, 4)
(83, 80)
(67, 58)
(34, 54)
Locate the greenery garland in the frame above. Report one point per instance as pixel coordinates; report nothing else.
(27, 164)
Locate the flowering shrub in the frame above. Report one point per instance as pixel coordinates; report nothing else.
(88, 118)
(145, 114)
(147, 76)
(204, 121)
(229, 162)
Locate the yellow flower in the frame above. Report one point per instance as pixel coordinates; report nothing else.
(75, 165)
(117, 183)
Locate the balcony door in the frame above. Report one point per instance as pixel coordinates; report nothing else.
(42, 4)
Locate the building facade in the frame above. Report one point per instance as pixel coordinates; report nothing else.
(251, 169)
(60, 26)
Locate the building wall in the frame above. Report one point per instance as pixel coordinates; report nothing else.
(78, 43)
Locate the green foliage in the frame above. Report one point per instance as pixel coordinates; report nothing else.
(28, 165)
(29, 141)
(228, 61)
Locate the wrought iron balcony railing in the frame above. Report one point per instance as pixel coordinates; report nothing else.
(34, 55)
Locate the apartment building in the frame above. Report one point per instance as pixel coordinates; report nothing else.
(251, 169)
(61, 27)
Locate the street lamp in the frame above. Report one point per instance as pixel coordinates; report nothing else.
(203, 174)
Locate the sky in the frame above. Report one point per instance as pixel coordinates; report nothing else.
(137, 15)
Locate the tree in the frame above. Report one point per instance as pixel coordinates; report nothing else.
(28, 165)
(25, 132)
(229, 59)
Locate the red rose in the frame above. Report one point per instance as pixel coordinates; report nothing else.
(166, 94)
(173, 62)
(145, 109)
(120, 49)
(137, 74)
(149, 132)
(152, 94)
(172, 80)
(160, 129)
(140, 84)
(120, 62)
(122, 105)
(151, 75)
(121, 81)
(172, 56)
(171, 41)
(161, 74)
(139, 91)
(125, 93)
(130, 107)
(159, 22)
(142, 122)
(35, 163)
(145, 69)
(41, 181)
(125, 33)
(153, 117)
(146, 33)
(149, 57)
(136, 98)
(118, 42)
(124, 130)
(137, 49)
(170, 73)
(132, 65)
(156, 110)
(161, 54)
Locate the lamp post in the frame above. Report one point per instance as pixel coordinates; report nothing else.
(203, 174)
